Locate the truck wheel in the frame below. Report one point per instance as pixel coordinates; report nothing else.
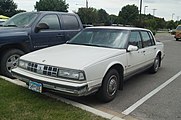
(9, 61)
(109, 87)
(156, 65)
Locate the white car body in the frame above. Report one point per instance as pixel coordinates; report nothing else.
(94, 61)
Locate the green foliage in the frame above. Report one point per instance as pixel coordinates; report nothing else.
(18, 103)
(103, 16)
(7, 8)
(171, 25)
(113, 19)
(129, 14)
(88, 15)
(52, 5)
(96, 17)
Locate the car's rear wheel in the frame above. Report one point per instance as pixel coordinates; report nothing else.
(156, 65)
(109, 87)
(9, 61)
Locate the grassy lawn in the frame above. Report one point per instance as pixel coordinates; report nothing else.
(18, 103)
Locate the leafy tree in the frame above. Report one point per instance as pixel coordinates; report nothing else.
(160, 23)
(52, 5)
(171, 25)
(88, 15)
(129, 14)
(113, 19)
(103, 17)
(7, 7)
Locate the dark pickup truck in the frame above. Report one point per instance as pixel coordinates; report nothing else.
(29, 31)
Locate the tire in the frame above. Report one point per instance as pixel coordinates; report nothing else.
(156, 65)
(9, 61)
(177, 39)
(110, 85)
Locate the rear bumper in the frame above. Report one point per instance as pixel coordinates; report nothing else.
(68, 88)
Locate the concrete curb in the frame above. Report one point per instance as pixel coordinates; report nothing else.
(76, 104)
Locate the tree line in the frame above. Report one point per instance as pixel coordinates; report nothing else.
(128, 16)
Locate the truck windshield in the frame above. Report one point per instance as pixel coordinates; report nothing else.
(179, 27)
(20, 20)
(110, 38)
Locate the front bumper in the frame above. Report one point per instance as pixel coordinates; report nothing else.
(69, 88)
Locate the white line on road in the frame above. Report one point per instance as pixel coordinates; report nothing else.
(145, 98)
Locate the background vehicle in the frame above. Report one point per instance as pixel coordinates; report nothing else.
(178, 32)
(3, 19)
(29, 31)
(98, 59)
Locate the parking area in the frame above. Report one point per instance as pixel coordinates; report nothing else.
(147, 96)
(164, 104)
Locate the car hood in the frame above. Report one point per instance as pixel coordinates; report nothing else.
(72, 56)
(11, 32)
(10, 29)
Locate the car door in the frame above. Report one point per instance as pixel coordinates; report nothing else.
(149, 47)
(70, 25)
(48, 37)
(135, 58)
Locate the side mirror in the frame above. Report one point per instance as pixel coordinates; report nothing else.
(132, 48)
(41, 26)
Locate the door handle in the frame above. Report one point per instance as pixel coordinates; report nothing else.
(144, 51)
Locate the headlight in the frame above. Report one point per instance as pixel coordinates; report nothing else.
(72, 74)
(22, 64)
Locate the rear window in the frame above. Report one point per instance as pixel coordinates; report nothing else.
(70, 22)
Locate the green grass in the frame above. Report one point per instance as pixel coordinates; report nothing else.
(18, 103)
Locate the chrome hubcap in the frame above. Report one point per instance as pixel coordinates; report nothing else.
(112, 86)
(12, 62)
(156, 64)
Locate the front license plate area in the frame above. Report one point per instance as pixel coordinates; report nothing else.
(37, 87)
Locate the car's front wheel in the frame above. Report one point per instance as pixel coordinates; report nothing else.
(156, 64)
(109, 87)
(9, 61)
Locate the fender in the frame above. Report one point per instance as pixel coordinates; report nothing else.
(15, 38)
(112, 64)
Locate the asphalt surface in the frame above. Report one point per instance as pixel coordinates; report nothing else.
(164, 105)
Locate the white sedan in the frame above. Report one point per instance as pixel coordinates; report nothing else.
(98, 59)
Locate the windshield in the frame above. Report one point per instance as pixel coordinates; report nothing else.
(178, 28)
(111, 38)
(20, 20)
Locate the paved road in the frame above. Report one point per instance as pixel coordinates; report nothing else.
(164, 105)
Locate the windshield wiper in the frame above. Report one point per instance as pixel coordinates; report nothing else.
(89, 45)
(9, 26)
(75, 43)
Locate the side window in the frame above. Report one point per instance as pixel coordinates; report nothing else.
(70, 22)
(52, 21)
(135, 39)
(152, 38)
(146, 39)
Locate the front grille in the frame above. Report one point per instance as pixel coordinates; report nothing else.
(42, 69)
